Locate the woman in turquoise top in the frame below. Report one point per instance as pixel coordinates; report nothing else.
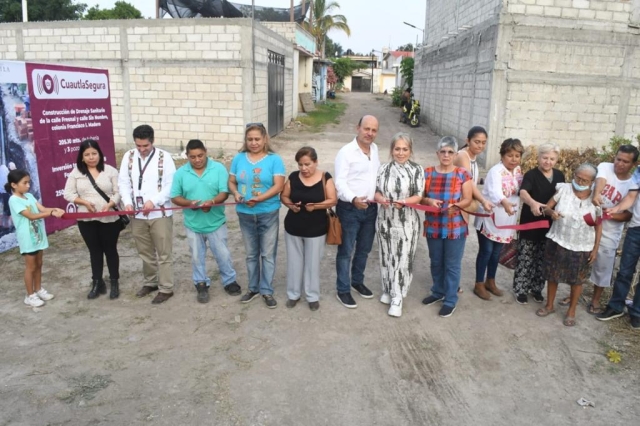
(256, 180)
(28, 217)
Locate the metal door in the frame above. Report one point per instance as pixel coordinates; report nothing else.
(275, 92)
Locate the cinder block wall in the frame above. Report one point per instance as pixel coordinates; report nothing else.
(187, 78)
(564, 71)
(569, 73)
(453, 83)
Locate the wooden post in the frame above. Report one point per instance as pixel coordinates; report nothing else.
(157, 9)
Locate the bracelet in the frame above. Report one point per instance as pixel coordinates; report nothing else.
(51, 213)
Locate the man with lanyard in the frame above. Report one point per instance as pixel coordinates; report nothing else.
(356, 169)
(145, 179)
(203, 182)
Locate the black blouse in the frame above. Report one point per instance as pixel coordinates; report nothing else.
(306, 224)
(541, 190)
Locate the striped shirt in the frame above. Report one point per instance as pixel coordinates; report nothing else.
(448, 188)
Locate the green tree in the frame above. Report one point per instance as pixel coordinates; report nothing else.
(121, 10)
(332, 49)
(344, 67)
(406, 70)
(42, 10)
(405, 48)
(324, 21)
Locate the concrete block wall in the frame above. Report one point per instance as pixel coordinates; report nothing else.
(614, 14)
(186, 78)
(565, 84)
(453, 82)
(444, 16)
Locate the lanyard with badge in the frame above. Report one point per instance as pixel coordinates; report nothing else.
(140, 200)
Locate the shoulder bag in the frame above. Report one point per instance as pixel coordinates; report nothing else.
(124, 219)
(334, 228)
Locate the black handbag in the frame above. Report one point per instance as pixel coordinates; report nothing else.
(124, 219)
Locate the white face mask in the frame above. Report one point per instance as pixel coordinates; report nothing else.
(579, 187)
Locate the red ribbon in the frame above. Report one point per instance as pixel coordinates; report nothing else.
(89, 215)
(540, 224)
(598, 220)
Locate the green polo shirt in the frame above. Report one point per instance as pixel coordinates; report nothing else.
(187, 184)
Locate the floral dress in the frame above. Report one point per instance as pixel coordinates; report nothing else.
(500, 184)
(398, 229)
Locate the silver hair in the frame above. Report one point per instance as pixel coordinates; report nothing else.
(448, 141)
(587, 167)
(401, 136)
(545, 148)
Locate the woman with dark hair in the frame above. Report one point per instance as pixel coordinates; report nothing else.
(308, 193)
(99, 234)
(501, 188)
(467, 158)
(256, 180)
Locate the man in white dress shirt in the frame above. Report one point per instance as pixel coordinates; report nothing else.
(356, 169)
(146, 175)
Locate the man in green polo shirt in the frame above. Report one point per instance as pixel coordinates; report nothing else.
(202, 182)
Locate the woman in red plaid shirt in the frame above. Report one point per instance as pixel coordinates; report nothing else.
(449, 188)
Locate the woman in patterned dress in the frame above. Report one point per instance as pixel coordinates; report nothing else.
(450, 189)
(572, 245)
(501, 188)
(399, 182)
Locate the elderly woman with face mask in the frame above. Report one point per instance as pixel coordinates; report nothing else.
(572, 245)
(399, 182)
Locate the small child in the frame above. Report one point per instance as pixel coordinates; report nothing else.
(27, 215)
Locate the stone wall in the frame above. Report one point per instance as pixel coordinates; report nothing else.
(186, 78)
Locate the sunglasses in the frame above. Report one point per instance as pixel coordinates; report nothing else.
(255, 124)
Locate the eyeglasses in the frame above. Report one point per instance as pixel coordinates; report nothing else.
(578, 179)
(443, 152)
(255, 124)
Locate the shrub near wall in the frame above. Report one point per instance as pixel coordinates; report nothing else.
(570, 158)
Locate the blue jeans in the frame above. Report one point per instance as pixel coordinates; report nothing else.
(622, 284)
(487, 259)
(260, 236)
(218, 245)
(446, 263)
(358, 232)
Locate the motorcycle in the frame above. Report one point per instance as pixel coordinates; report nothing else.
(411, 113)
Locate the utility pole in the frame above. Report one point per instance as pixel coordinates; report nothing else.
(25, 15)
(291, 12)
(157, 9)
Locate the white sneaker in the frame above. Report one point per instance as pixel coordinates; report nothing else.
(385, 298)
(395, 310)
(44, 294)
(33, 301)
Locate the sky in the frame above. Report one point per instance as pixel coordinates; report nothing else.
(374, 23)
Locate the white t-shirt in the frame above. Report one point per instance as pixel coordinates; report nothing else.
(612, 193)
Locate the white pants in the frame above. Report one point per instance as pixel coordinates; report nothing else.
(603, 267)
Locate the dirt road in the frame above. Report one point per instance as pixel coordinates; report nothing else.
(81, 362)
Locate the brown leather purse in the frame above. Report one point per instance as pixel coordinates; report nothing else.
(334, 228)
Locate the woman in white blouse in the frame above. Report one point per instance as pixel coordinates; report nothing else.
(572, 245)
(501, 189)
(99, 234)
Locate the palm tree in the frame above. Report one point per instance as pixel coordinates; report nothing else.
(322, 22)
